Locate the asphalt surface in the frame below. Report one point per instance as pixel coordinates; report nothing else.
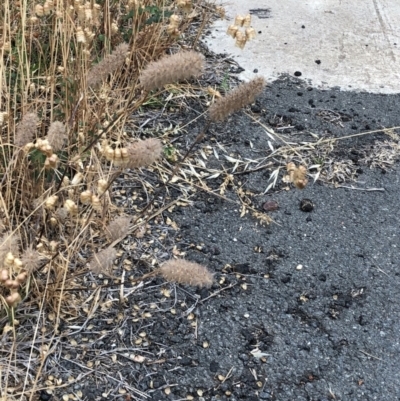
(322, 296)
(307, 308)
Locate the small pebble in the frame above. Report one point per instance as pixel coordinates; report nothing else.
(271, 206)
(306, 205)
(299, 267)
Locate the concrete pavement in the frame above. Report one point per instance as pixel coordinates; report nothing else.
(351, 44)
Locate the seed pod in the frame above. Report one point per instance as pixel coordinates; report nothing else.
(250, 33)
(71, 207)
(50, 202)
(232, 29)
(3, 275)
(13, 300)
(39, 11)
(240, 39)
(77, 179)
(21, 278)
(86, 197)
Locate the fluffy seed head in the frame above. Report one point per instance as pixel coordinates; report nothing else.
(143, 153)
(56, 135)
(102, 262)
(180, 66)
(185, 272)
(26, 129)
(108, 65)
(9, 244)
(30, 260)
(118, 228)
(235, 100)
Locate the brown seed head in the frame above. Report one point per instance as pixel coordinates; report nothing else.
(185, 272)
(56, 135)
(108, 65)
(103, 261)
(235, 100)
(26, 129)
(169, 69)
(143, 153)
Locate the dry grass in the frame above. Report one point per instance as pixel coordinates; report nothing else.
(69, 81)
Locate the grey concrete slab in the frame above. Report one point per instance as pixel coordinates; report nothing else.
(346, 43)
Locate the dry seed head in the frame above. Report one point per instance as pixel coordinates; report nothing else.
(220, 11)
(103, 261)
(235, 100)
(109, 153)
(77, 179)
(133, 4)
(61, 213)
(12, 284)
(65, 182)
(17, 264)
(13, 300)
(86, 197)
(102, 186)
(114, 28)
(232, 30)
(3, 275)
(9, 245)
(80, 35)
(173, 68)
(57, 135)
(143, 153)
(108, 65)
(90, 35)
(185, 272)
(50, 202)
(96, 203)
(9, 259)
(118, 228)
(33, 20)
(21, 278)
(3, 117)
(250, 33)
(247, 20)
(71, 207)
(173, 31)
(184, 5)
(51, 162)
(44, 146)
(88, 14)
(81, 13)
(240, 40)
(39, 11)
(239, 20)
(7, 47)
(30, 260)
(174, 20)
(297, 175)
(26, 129)
(48, 7)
